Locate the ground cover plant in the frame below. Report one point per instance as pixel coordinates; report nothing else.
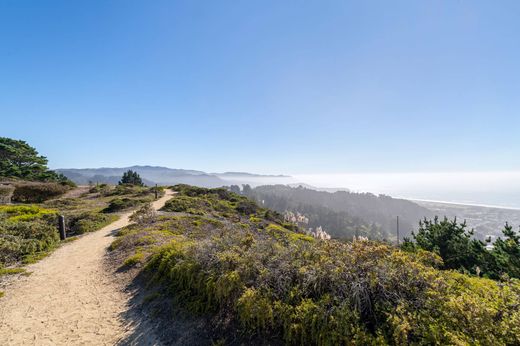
(219, 255)
(29, 231)
(24, 231)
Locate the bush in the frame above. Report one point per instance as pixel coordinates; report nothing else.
(6, 192)
(103, 189)
(266, 280)
(193, 205)
(26, 213)
(128, 189)
(24, 231)
(31, 192)
(88, 222)
(145, 215)
(118, 204)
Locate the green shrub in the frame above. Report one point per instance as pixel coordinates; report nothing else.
(22, 238)
(192, 205)
(88, 222)
(25, 213)
(265, 279)
(118, 204)
(333, 293)
(137, 258)
(12, 271)
(32, 192)
(127, 189)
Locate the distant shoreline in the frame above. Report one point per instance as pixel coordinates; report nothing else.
(463, 204)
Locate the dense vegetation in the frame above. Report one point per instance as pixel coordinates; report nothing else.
(342, 214)
(455, 244)
(220, 255)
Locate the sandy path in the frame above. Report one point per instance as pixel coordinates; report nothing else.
(70, 298)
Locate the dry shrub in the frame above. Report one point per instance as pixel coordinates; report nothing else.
(6, 192)
(33, 192)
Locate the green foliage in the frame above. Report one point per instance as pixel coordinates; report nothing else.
(451, 241)
(131, 261)
(18, 159)
(118, 204)
(88, 221)
(35, 192)
(458, 250)
(131, 178)
(265, 279)
(11, 271)
(25, 212)
(25, 231)
(192, 205)
(216, 202)
(506, 253)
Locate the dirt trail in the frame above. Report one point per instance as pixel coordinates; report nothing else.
(70, 298)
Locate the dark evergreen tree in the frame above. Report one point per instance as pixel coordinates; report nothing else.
(452, 242)
(506, 254)
(19, 160)
(131, 178)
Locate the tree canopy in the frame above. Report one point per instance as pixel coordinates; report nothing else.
(132, 178)
(454, 244)
(20, 160)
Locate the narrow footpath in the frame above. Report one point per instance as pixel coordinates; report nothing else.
(70, 298)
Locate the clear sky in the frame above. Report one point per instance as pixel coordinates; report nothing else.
(265, 86)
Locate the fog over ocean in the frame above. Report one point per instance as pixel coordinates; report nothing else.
(501, 189)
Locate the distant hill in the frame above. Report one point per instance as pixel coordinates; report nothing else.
(170, 176)
(343, 213)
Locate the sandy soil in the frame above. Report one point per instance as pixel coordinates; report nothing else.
(71, 298)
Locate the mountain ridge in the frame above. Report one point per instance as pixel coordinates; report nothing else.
(163, 175)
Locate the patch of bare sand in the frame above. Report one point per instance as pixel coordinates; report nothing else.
(70, 298)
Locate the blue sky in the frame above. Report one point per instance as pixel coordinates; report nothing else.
(265, 86)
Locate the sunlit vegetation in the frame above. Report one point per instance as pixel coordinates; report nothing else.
(28, 232)
(220, 255)
(25, 230)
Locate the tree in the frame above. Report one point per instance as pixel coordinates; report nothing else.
(235, 189)
(247, 190)
(19, 160)
(506, 254)
(132, 178)
(452, 242)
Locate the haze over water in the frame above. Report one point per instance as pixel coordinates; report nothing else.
(501, 189)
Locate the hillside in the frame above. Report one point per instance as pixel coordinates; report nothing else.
(343, 213)
(233, 273)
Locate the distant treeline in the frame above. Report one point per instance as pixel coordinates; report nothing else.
(342, 214)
